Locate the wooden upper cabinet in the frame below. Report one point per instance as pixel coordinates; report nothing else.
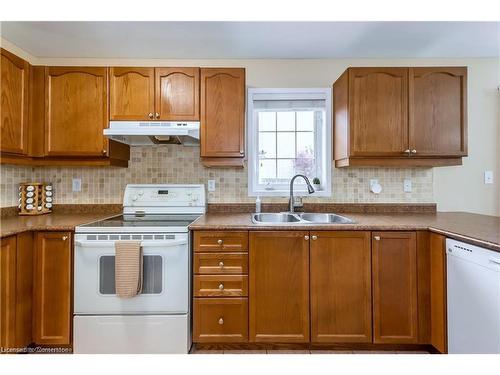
(14, 103)
(177, 94)
(400, 116)
(131, 93)
(279, 286)
(378, 111)
(394, 272)
(76, 111)
(52, 288)
(222, 115)
(341, 298)
(438, 111)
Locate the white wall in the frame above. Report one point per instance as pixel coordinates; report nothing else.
(455, 188)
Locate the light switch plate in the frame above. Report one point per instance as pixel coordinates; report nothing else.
(77, 184)
(407, 185)
(211, 185)
(488, 177)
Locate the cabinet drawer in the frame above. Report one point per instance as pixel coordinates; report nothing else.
(220, 286)
(221, 263)
(220, 320)
(206, 241)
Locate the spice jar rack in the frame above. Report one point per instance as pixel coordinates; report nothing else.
(35, 198)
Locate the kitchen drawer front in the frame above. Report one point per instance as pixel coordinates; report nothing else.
(220, 286)
(207, 241)
(221, 263)
(220, 320)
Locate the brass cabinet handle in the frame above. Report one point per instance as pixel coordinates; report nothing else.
(220, 242)
(150, 115)
(221, 286)
(314, 238)
(413, 151)
(221, 264)
(306, 238)
(64, 238)
(157, 115)
(221, 321)
(104, 152)
(407, 151)
(376, 238)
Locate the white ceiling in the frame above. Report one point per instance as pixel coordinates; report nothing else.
(234, 40)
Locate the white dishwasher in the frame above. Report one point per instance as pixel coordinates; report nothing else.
(473, 278)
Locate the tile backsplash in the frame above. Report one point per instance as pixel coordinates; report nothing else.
(180, 164)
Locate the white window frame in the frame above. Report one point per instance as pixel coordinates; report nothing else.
(252, 136)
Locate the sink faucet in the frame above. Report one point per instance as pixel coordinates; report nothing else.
(310, 189)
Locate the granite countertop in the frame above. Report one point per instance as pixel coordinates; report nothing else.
(480, 230)
(54, 221)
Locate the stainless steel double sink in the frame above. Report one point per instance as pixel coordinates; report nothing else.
(300, 218)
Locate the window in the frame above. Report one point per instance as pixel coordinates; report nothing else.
(289, 132)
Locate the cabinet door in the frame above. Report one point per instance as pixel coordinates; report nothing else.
(341, 306)
(52, 288)
(8, 292)
(24, 289)
(76, 111)
(14, 102)
(438, 111)
(222, 112)
(131, 93)
(394, 272)
(279, 286)
(378, 111)
(177, 94)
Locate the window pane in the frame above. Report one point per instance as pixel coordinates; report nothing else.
(267, 121)
(305, 144)
(267, 145)
(285, 170)
(286, 121)
(305, 121)
(286, 145)
(304, 164)
(267, 171)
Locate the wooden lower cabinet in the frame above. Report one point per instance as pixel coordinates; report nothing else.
(16, 283)
(438, 304)
(394, 272)
(279, 286)
(8, 292)
(52, 288)
(220, 320)
(341, 300)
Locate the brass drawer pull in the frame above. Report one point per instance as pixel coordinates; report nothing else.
(306, 238)
(314, 238)
(221, 321)
(221, 265)
(220, 242)
(376, 238)
(221, 286)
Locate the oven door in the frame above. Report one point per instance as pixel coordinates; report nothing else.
(165, 278)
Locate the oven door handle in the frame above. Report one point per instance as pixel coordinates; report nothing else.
(145, 243)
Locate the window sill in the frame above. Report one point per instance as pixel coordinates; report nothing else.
(286, 193)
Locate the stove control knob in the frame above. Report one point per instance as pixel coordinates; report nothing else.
(141, 193)
(135, 197)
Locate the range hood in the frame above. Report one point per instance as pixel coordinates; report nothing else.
(143, 133)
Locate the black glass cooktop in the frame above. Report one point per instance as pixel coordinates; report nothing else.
(131, 221)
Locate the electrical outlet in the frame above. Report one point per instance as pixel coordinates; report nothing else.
(488, 177)
(211, 185)
(77, 184)
(407, 185)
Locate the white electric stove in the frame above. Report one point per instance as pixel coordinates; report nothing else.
(158, 319)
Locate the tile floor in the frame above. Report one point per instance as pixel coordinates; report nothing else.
(276, 351)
